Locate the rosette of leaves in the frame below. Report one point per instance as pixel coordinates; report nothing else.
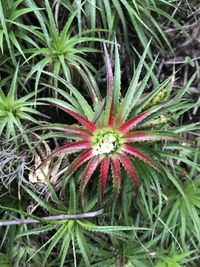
(114, 141)
(13, 31)
(72, 237)
(60, 51)
(14, 110)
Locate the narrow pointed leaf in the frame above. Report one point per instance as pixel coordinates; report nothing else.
(104, 173)
(125, 106)
(18, 13)
(77, 131)
(13, 87)
(73, 147)
(117, 79)
(109, 71)
(40, 18)
(126, 162)
(52, 26)
(80, 160)
(54, 240)
(83, 245)
(85, 122)
(89, 170)
(116, 175)
(5, 31)
(3, 98)
(133, 122)
(111, 115)
(138, 154)
(15, 42)
(150, 136)
(109, 97)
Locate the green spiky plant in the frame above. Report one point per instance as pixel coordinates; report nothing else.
(61, 51)
(14, 110)
(65, 234)
(13, 32)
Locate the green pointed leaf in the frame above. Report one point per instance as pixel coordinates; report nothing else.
(42, 203)
(83, 245)
(125, 105)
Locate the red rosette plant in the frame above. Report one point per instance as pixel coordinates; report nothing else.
(109, 143)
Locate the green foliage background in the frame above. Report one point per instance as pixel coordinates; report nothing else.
(54, 52)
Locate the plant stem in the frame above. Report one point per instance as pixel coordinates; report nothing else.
(53, 218)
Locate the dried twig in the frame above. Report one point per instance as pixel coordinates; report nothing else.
(53, 218)
(183, 61)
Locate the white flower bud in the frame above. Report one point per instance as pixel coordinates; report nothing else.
(105, 146)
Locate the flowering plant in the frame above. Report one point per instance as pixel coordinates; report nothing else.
(110, 141)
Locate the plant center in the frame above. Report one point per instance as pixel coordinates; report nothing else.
(106, 141)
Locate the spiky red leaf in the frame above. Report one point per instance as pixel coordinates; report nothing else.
(109, 71)
(76, 131)
(81, 159)
(128, 125)
(85, 122)
(126, 162)
(116, 174)
(111, 115)
(104, 173)
(72, 147)
(138, 154)
(89, 170)
(149, 136)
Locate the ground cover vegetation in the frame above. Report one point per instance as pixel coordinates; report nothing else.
(99, 133)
